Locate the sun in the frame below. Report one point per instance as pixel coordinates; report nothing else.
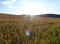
(32, 9)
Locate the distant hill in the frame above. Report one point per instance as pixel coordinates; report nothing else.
(10, 18)
(3, 15)
(49, 15)
(10, 15)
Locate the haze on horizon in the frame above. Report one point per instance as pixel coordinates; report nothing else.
(30, 7)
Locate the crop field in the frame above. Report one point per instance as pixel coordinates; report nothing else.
(29, 30)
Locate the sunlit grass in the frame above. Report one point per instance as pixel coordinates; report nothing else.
(26, 31)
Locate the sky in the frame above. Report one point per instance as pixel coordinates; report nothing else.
(30, 7)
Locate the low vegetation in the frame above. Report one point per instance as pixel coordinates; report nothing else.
(42, 30)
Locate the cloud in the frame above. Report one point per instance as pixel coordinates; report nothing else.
(8, 3)
(12, 0)
(24, 1)
(11, 6)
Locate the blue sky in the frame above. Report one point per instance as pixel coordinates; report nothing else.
(32, 7)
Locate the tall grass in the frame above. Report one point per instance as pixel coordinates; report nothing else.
(47, 32)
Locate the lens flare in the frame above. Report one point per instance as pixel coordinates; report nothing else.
(27, 32)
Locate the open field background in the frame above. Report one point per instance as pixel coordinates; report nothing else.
(43, 30)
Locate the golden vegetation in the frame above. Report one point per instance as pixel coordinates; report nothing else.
(42, 30)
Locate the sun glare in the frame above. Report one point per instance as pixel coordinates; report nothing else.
(32, 9)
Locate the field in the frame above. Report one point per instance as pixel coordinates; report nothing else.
(41, 30)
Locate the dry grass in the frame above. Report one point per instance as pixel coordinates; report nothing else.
(42, 30)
